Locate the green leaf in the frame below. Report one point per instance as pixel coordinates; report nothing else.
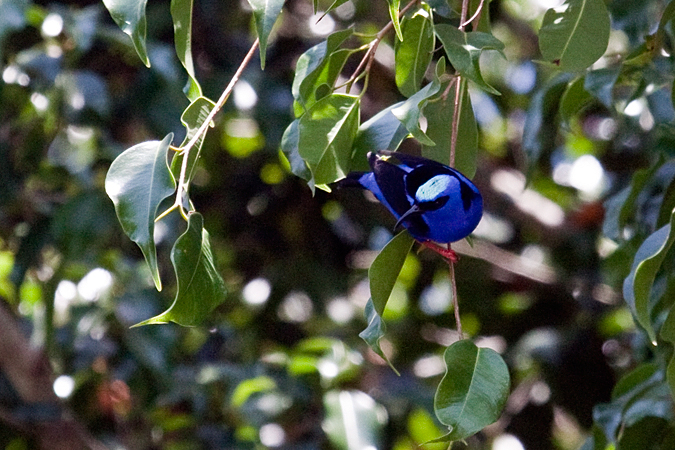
(385, 268)
(326, 134)
(413, 53)
(334, 5)
(353, 420)
(394, 8)
(129, 15)
(439, 113)
(137, 182)
(668, 334)
(246, 388)
(181, 13)
(464, 50)
(600, 83)
(383, 131)
(265, 13)
(290, 146)
(374, 332)
(574, 100)
(647, 262)
(192, 118)
(410, 111)
(200, 286)
(484, 18)
(575, 35)
(473, 390)
(319, 66)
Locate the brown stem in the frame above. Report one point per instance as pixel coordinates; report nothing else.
(455, 300)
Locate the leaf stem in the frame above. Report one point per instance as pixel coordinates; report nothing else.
(455, 300)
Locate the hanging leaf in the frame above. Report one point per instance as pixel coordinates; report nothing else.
(638, 285)
(326, 133)
(394, 8)
(464, 50)
(290, 142)
(574, 101)
(385, 268)
(200, 286)
(439, 113)
(413, 54)
(192, 118)
(410, 111)
(575, 35)
(265, 13)
(129, 15)
(473, 391)
(137, 182)
(374, 332)
(181, 13)
(383, 131)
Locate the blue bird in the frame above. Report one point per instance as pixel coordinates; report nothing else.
(434, 202)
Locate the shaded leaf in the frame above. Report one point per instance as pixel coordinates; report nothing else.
(575, 35)
(383, 131)
(647, 262)
(200, 286)
(375, 331)
(385, 268)
(137, 182)
(439, 113)
(129, 15)
(668, 334)
(473, 390)
(574, 100)
(265, 13)
(181, 13)
(326, 134)
(464, 50)
(600, 83)
(413, 54)
(290, 142)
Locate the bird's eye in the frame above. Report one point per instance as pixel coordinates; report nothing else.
(435, 204)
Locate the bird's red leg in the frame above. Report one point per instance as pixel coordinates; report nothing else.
(445, 252)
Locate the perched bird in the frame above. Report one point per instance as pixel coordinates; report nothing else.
(434, 202)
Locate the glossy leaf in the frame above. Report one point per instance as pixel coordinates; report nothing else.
(473, 390)
(413, 54)
(137, 182)
(464, 50)
(181, 13)
(290, 146)
(326, 133)
(192, 118)
(575, 35)
(200, 286)
(375, 331)
(265, 13)
(385, 268)
(647, 262)
(394, 8)
(129, 15)
(383, 131)
(439, 113)
(410, 111)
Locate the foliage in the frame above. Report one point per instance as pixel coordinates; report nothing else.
(577, 98)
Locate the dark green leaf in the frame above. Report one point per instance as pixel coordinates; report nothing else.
(200, 286)
(473, 391)
(575, 35)
(464, 50)
(385, 268)
(410, 111)
(647, 262)
(383, 131)
(137, 182)
(181, 12)
(129, 15)
(600, 83)
(413, 54)
(667, 204)
(326, 134)
(439, 113)
(374, 332)
(668, 334)
(265, 13)
(574, 101)
(394, 8)
(290, 147)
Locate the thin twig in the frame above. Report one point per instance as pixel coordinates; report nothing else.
(455, 300)
(476, 15)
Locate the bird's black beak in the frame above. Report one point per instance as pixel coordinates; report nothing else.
(413, 210)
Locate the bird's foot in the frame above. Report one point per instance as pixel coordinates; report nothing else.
(445, 252)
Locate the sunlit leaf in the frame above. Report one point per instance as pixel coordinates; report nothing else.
(638, 285)
(394, 8)
(265, 13)
(575, 35)
(192, 118)
(200, 286)
(439, 113)
(413, 54)
(290, 142)
(137, 182)
(375, 331)
(385, 268)
(353, 420)
(251, 386)
(181, 13)
(464, 50)
(383, 131)
(473, 391)
(326, 133)
(129, 15)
